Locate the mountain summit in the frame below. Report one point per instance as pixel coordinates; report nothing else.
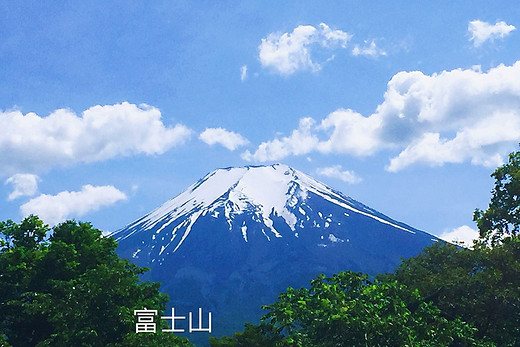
(237, 237)
(251, 197)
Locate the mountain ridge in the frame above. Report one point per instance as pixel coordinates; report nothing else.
(237, 237)
(167, 211)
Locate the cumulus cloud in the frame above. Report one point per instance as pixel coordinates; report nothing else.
(223, 137)
(30, 142)
(290, 52)
(470, 143)
(453, 116)
(337, 171)
(482, 31)
(53, 209)
(350, 132)
(450, 117)
(23, 185)
(462, 236)
(369, 50)
(301, 141)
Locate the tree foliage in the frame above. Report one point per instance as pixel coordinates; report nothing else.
(502, 216)
(348, 309)
(481, 286)
(71, 289)
(261, 335)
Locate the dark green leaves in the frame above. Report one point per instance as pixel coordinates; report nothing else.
(348, 309)
(481, 286)
(72, 290)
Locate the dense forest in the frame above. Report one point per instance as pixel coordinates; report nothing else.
(72, 289)
(66, 286)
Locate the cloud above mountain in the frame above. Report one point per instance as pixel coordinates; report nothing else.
(462, 115)
(31, 142)
(301, 141)
(223, 137)
(287, 53)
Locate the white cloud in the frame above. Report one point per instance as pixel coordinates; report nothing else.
(243, 73)
(23, 185)
(301, 141)
(482, 31)
(450, 117)
(290, 52)
(221, 136)
(369, 49)
(336, 171)
(468, 144)
(30, 142)
(350, 132)
(453, 116)
(53, 209)
(333, 38)
(462, 236)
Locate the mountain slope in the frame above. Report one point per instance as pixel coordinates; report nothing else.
(236, 238)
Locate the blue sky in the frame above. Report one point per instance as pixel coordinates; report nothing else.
(110, 108)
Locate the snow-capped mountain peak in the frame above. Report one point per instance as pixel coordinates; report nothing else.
(267, 195)
(239, 236)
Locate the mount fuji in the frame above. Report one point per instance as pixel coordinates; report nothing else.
(239, 236)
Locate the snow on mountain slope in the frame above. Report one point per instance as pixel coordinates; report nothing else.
(265, 193)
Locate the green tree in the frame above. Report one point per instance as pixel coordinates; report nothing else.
(348, 309)
(261, 335)
(72, 289)
(3, 341)
(502, 216)
(482, 286)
